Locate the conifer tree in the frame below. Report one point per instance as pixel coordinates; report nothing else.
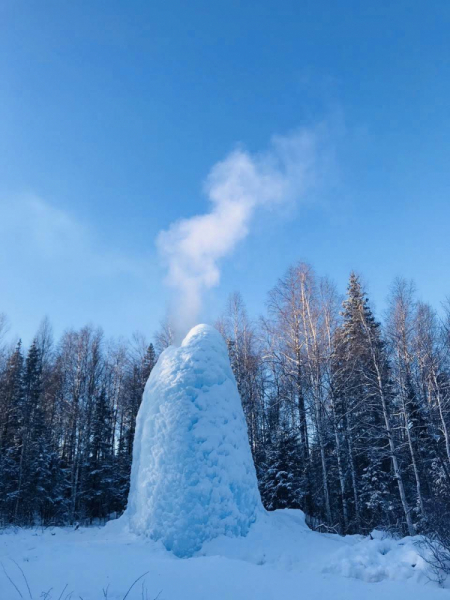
(368, 404)
(12, 406)
(282, 485)
(35, 458)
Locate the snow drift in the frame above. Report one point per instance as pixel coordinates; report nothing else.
(192, 476)
(280, 558)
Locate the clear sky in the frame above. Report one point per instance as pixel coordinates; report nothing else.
(113, 113)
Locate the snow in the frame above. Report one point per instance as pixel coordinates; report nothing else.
(384, 558)
(279, 558)
(192, 475)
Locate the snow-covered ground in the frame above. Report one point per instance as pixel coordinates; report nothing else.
(280, 558)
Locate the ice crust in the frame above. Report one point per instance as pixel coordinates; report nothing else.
(192, 476)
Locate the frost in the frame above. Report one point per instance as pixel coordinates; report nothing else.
(192, 477)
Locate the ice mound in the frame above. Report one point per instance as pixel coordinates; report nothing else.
(192, 476)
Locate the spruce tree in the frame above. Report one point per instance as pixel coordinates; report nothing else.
(282, 483)
(12, 403)
(36, 457)
(367, 390)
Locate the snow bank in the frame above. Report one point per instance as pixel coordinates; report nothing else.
(279, 558)
(192, 476)
(380, 558)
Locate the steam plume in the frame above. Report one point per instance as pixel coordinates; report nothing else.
(236, 187)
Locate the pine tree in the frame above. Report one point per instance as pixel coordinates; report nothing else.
(282, 482)
(148, 363)
(12, 404)
(99, 488)
(35, 458)
(367, 391)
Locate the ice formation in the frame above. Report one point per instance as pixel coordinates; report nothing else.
(193, 476)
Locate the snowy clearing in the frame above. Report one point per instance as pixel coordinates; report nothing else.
(279, 558)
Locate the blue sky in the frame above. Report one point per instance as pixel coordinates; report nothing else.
(113, 114)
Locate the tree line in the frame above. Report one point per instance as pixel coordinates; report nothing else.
(67, 419)
(348, 419)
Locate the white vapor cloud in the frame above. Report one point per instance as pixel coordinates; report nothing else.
(236, 187)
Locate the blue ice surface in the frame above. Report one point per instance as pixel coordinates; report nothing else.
(193, 476)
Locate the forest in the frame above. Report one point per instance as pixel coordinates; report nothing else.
(348, 414)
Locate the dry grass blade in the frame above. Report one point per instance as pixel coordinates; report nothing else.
(134, 583)
(24, 578)
(10, 580)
